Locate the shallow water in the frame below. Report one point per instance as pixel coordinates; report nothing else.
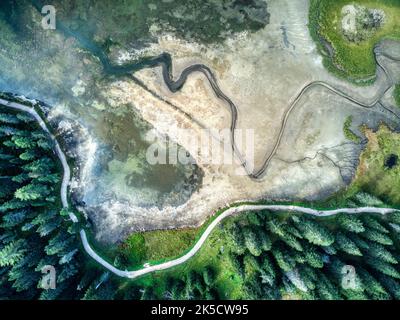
(110, 144)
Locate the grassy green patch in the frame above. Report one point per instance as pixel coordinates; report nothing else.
(372, 175)
(168, 243)
(351, 60)
(143, 247)
(215, 253)
(348, 133)
(134, 248)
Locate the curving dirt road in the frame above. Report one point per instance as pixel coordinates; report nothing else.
(169, 264)
(236, 210)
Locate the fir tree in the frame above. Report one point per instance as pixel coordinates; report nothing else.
(345, 244)
(314, 232)
(350, 223)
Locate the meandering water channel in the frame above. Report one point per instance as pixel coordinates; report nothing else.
(165, 62)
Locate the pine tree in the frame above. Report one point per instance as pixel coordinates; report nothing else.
(264, 240)
(49, 178)
(290, 229)
(251, 265)
(22, 279)
(211, 294)
(8, 118)
(350, 283)
(105, 292)
(11, 253)
(237, 264)
(330, 250)
(45, 144)
(367, 200)
(275, 226)
(345, 244)
(391, 285)
(254, 219)
(326, 289)
(10, 131)
(350, 294)
(372, 223)
(268, 271)
(350, 223)
(252, 290)
(359, 242)
(296, 279)
(292, 242)
(308, 275)
(48, 227)
(147, 294)
(270, 292)
(287, 234)
(29, 155)
(252, 242)
(21, 178)
(14, 218)
(383, 267)
(314, 232)
(41, 166)
(58, 243)
(394, 217)
(378, 237)
(298, 256)
(32, 191)
(208, 276)
(69, 270)
(53, 294)
(313, 256)
(283, 258)
(28, 206)
(190, 281)
(12, 205)
(380, 252)
(373, 288)
(23, 142)
(68, 257)
(24, 117)
(237, 238)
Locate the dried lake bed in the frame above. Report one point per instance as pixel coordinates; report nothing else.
(268, 74)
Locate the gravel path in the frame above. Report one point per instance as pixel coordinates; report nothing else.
(169, 264)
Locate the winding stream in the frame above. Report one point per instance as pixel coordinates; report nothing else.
(164, 61)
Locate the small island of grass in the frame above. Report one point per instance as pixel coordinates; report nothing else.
(347, 31)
